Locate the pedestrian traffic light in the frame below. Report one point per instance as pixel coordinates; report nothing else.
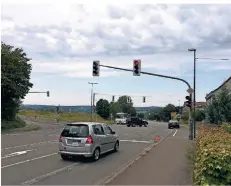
(95, 68)
(48, 93)
(113, 98)
(188, 103)
(144, 99)
(136, 67)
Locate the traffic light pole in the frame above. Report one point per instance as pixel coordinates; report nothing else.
(168, 77)
(47, 92)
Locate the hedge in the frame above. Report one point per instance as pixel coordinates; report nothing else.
(213, 157)
(227, 127)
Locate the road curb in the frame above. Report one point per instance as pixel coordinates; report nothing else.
(143, 153)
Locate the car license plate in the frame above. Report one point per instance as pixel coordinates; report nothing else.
(75, 144)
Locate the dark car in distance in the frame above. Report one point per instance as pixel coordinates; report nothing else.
(136, 121)
(173, 124)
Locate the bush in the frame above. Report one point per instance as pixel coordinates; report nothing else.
(17, 123)
(213, 157)
(227, 127)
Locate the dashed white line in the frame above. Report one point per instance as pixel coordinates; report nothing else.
(135, 141)
(42, 177)
(21, 162)
(175, 132)
(52, 141)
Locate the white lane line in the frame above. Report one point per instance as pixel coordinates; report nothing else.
(135, 141)
(17, 153)
(42, 177)
(175, 132)
(21, 162)
(51, 141)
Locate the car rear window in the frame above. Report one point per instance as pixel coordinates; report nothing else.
(73, 130)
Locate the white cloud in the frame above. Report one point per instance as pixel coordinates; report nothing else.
(64, 39)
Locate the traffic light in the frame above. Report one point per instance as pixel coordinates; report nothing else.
(136, 67)
(144, 99)
(113, 98)
(188, 103)
(95, 68)
(128, 99)
(48, 93)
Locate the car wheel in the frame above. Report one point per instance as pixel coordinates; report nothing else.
(116, 147)
(64, 156)
(128, 125)
(140, 125)
(96, 154)
(169, 127)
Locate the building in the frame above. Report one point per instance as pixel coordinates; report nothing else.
(209, 97)
(199, 106)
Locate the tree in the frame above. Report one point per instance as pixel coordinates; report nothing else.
(103, 108)
(200, 115)
(219, 110)
(141, 115)
(125, 106)
(115, 108)
(15, 79)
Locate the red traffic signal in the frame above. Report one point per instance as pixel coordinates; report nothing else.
(136, 67)
(136, 62)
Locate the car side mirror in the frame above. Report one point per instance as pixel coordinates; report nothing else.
(113, 132)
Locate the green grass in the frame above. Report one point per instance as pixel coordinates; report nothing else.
(16, 125)
(8, 125)
(73, 117)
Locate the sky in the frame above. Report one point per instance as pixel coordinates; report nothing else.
(63, 40)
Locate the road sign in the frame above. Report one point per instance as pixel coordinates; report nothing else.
(190, 90)
(173, 114)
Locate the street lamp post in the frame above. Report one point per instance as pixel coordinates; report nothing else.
(92, 98)
(194, 93)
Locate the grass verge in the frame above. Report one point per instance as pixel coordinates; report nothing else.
(72, 117)
(17, 125)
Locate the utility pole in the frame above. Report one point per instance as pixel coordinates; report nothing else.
(94, 103)
(194, 93)
(92, 98)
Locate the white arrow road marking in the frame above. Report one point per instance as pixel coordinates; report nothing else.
(17, 153)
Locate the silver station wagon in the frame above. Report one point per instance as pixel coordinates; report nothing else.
(88, 139)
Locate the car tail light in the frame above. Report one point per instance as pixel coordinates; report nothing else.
(60, 139)
(89, 140)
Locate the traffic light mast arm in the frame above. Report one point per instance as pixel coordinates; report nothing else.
(151, 74)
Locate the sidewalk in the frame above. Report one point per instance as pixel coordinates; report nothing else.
(165, 164)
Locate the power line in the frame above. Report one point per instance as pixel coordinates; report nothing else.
(223, 59)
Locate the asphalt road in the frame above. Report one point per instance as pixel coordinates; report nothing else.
(31, 157)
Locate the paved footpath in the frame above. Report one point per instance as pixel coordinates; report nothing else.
(165, 164)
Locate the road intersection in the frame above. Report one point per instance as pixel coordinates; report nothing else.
(31, 157)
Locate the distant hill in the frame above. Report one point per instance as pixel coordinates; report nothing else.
(76, 108)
